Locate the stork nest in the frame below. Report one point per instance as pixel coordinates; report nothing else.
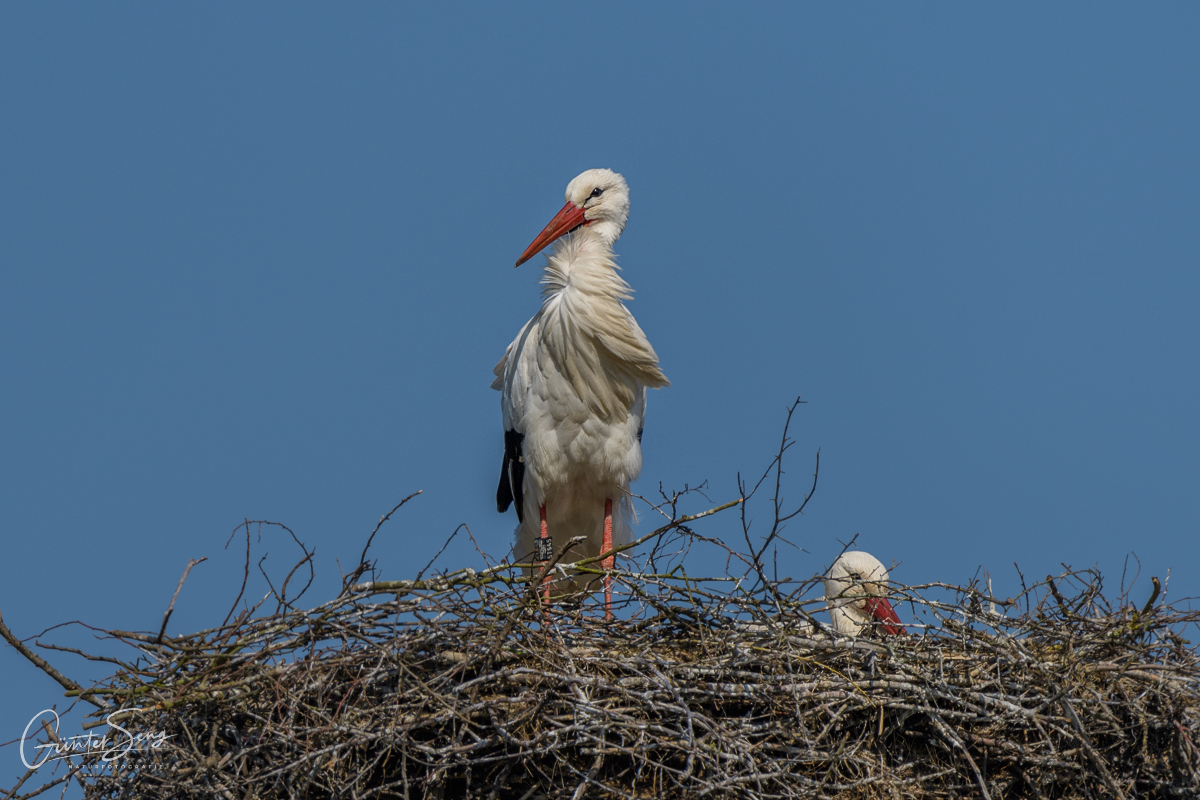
(465, 685)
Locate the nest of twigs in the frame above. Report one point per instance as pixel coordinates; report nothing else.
(466, 685)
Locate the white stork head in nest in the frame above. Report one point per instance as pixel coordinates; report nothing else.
(856, 590)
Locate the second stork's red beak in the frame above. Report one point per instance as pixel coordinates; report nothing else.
(885, 615)
(565, 221)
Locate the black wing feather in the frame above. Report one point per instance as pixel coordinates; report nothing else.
(512, 475)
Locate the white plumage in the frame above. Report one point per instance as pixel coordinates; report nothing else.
(574, 383)
(856, 589)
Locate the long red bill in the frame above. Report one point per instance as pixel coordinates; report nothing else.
(885, 615)
(565, 221)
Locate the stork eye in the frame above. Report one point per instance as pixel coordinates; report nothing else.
(596, 192)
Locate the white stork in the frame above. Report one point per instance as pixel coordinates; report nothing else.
(573, 387)
(856, 590)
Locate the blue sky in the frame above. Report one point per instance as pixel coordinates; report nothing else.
(255, 262)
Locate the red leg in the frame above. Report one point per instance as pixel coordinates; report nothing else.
(607, 563)
(545, 548)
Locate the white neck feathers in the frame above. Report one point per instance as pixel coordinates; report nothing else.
(592, 338)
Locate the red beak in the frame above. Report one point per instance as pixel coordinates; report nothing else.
(565, 221)
(885, 615)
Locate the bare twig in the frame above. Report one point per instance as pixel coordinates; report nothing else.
(40, 662)
(170, 608)
(363, 566)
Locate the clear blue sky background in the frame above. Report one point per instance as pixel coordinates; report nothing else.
(256, 262)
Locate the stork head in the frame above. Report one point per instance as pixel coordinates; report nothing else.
(856, 590)
(597, 199)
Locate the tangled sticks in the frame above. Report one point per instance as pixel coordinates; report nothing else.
(456, 686)
(464, 685)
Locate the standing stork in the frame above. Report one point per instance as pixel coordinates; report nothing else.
(856, 590)
(573, 387)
